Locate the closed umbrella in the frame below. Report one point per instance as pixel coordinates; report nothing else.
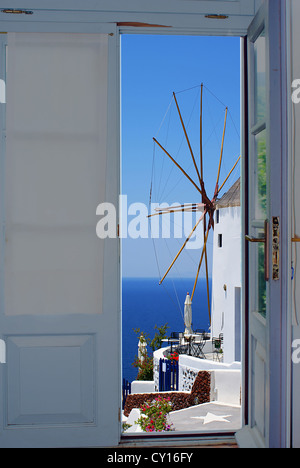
(142, 351)
(188, 316)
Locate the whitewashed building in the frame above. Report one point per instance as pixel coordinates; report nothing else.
(227, 274)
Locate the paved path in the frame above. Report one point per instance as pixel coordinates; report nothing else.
(209, 417)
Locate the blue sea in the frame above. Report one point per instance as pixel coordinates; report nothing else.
(146, 304)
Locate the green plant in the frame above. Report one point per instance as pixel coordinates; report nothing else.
(143, 335)
(154, 416)
(145, 365)
(126, 426)
(160, 335)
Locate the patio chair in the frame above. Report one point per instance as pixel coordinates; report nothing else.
(199, 332)
(202, 334)
(196, 347)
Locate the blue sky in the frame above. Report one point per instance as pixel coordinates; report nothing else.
(152, 68)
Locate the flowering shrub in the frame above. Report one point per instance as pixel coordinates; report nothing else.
(155, 415)
(174, 357)
(145, 368)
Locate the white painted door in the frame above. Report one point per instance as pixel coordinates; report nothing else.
(263, 223)
(59, 309)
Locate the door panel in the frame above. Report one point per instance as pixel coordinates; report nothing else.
(265, 413)
(55, 173)
(50, 380)
(259, 375)
(258, 214)
(58, 311)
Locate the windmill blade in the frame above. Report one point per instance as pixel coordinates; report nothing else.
(207, 286)
(189, 208)
(202, 177)
(201, 134)
(169, 211)
(187, 139)
(177, 165)
(200, 263)
(182, 248)
(229, 174)
(207, 276)
(222, 148)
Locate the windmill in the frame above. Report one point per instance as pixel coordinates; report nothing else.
(207, 205)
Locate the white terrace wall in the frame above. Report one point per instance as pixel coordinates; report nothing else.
(225, 378)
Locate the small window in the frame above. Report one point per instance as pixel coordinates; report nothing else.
(220, 241)
(217, 216)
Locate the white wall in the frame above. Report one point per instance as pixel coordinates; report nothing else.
(226, 386)
(225, 378)
(226, 273)
(138, 387)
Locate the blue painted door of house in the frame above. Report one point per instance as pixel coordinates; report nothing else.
(168, 375)
(59, 310)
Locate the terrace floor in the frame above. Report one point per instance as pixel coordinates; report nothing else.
(208, 417)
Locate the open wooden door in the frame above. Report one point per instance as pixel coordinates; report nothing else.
(265, 228)
(60, 299)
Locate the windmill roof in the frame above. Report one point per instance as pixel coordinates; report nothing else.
(232, 197)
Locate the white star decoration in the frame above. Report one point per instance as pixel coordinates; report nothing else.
(209, 418)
